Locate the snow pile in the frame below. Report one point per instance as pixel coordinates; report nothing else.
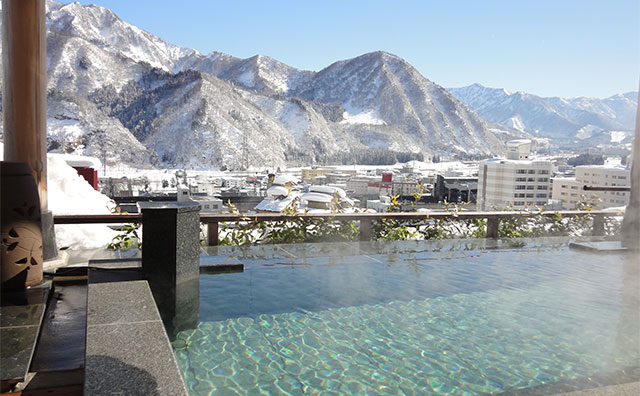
(70, 194)
(367, 117)
(82, 161)
(618, 136)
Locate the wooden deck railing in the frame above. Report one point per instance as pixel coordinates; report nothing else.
(366, 219)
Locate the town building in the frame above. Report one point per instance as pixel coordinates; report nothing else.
(519, 149)
(572, 194)
(516, 182)
(208, 204)
(308, 174)
(359, 186)
(455, 189)
(381, 205)
(373, 187)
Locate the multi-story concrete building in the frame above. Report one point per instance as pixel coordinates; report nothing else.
(513, 182)
(359, 185)
(571, 190)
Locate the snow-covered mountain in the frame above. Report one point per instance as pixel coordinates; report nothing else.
(382, 89)
(125, 95)
(566, 121)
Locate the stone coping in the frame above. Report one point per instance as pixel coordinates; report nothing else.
(128, 351)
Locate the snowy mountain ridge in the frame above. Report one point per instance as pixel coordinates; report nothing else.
(565, 120)
(126, 96)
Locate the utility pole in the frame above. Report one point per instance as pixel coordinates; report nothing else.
(245, 151)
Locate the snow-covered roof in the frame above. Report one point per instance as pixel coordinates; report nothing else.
(517, 142)
(283, 179)
(328, 190)
(517, 162)
(276, 191)
(316, 197)
(275, 205)
(79, 161)
(616, 167)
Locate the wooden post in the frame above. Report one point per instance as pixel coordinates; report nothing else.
(365, 229)
(24, 99)
(598, 225)
(212, 233)
(492, 227)
(24, 96)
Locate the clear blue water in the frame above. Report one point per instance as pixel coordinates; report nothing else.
(415, 318)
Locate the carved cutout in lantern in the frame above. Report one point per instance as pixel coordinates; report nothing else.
(20, 232)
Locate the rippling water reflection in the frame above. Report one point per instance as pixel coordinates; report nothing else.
(405, 319)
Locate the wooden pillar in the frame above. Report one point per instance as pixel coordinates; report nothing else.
(24, 95)
(365, 229)
(212, 233)
(631, 222)
(492, 227)
(598, 225)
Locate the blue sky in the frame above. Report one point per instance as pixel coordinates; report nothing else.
(550, 48)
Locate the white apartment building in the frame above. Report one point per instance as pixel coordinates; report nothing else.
(570, 190)
(208, 204)
(359, 185)
(513, 183)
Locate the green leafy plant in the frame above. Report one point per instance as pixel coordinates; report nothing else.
(128, 236)
(295, 229)
(298, 228)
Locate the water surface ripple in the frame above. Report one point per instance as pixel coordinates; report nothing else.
(339, 319)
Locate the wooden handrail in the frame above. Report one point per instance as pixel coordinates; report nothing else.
(216, 218)
(365, 219)
(226, 217)
(97, 219)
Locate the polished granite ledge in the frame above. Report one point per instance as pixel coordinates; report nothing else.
(21, 314)
(128, 351)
